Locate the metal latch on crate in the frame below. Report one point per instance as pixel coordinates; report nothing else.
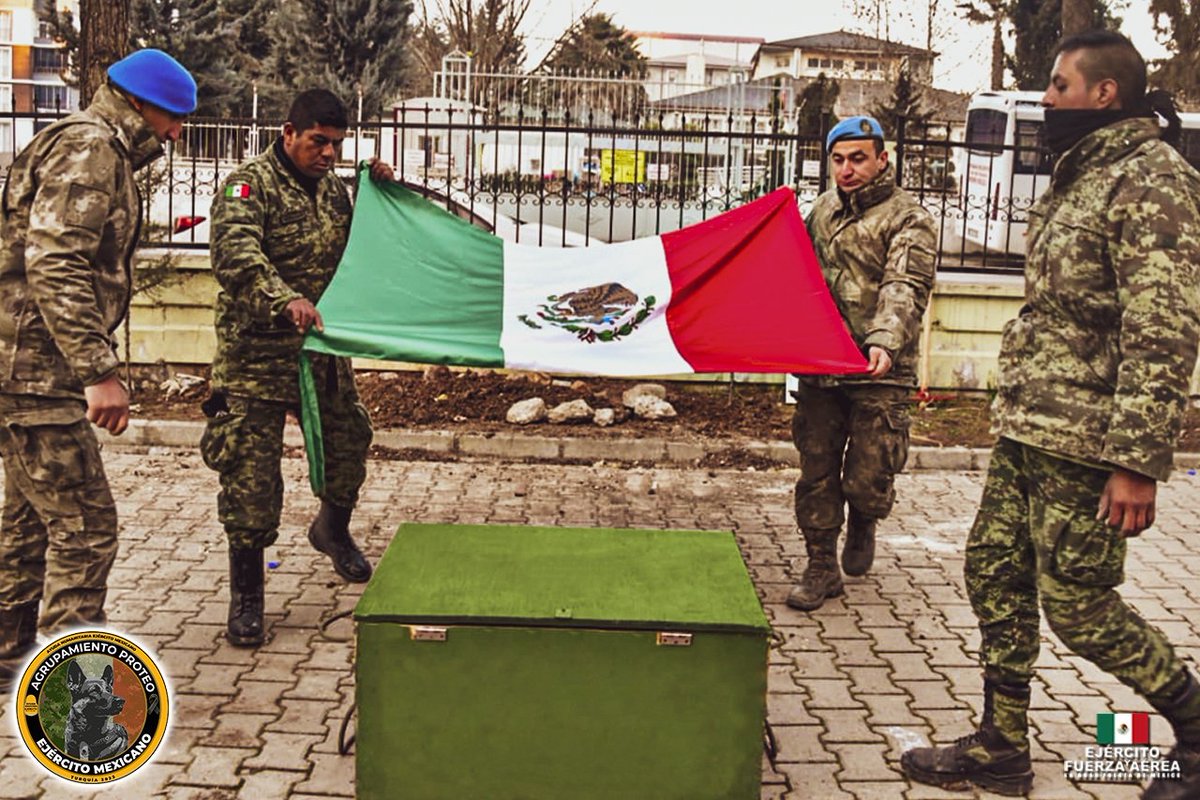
(673, 639)
(427, 633)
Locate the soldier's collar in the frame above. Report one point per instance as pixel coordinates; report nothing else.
(134, 133)
(307, 183)
(880, 188)
(1104, 145)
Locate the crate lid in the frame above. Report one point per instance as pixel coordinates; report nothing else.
(563, 577)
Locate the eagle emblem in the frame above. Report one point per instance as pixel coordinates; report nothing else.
(606, 312)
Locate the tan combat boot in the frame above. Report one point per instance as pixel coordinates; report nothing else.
(821, 578)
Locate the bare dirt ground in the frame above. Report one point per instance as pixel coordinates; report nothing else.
(477, 400)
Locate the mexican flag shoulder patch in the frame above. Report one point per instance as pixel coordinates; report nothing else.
(237, 190)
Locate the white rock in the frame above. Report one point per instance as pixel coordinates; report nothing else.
(648, 406)
(604, 417)
(643, 390)
(570, 412)
(527, 411)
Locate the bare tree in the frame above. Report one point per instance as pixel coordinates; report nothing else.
(103, 39)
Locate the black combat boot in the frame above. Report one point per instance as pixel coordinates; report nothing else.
(986, 758)
(245, 627)
(859, 551)
(18, 636)
(330, 534)
(821, 578)
(1182, 710)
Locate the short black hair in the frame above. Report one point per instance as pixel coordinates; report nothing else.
(1108, 54)
(317, 107)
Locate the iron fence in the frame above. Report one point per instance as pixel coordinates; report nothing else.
(549, 179)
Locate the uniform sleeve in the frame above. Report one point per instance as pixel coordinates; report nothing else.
(76, 190)
(907, 282)
(1156, 257)
(239, 261)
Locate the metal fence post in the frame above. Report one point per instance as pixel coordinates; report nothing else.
(900, 133)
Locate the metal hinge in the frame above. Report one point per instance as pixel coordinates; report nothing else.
(672, 639)
(427, 633)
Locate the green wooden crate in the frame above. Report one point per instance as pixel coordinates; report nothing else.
(498, 662)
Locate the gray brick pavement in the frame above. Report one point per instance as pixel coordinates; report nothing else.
(888, 666)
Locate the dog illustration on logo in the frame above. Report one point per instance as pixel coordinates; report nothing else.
(90, 733)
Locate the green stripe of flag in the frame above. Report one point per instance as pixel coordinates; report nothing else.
(449, 273)
(1105, 728)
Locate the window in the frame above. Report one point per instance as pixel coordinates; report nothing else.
(1032, 157)
(50, 97)
(826, 63)
(5, 62)
(814, 62)
(860, 65)
(6, 97)
(838, 63)
(46, 59)
(873, 66)
(5, 26)
(782, 60)
(6, 138)
(986, 129)
(45, 32)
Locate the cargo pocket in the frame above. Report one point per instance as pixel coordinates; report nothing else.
(56, 458)
(1088, 552)
(219, 444)
(898, 422)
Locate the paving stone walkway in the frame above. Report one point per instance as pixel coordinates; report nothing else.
(882, 669)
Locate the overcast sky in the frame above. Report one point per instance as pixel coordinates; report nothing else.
(965, 49)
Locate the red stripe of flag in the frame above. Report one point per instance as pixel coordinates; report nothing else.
(1141, 728)
(748, 282)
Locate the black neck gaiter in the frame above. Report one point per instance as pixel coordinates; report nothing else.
(1066, 126)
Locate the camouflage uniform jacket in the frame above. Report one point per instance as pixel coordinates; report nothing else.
(274, 245)
(70, 221)
(1096, 366)
(878, 252)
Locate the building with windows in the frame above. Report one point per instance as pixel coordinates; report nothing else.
(842, 54)
(685, 63)
(31, 66)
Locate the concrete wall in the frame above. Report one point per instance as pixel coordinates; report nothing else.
(175, 325)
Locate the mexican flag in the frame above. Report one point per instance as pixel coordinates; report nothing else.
(1131, 728)
(740, 292)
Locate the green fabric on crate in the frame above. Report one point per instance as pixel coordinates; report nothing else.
(566, 577)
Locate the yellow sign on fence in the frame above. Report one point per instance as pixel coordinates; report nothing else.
(622, 166)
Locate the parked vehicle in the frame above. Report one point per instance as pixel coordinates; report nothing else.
(1003, 167)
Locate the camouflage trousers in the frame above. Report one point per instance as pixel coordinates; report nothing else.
(244, 443)
(1036, 537)
(852, 441)
(58, 535)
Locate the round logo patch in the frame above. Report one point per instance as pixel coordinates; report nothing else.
(92, 707)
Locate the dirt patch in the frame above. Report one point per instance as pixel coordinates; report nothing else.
(476, 401)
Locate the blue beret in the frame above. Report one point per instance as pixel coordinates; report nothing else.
(854, 128)
(154, 76)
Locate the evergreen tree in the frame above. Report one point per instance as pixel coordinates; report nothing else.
(596, 44)
(906, 102)
(197, 35)
(1038, 27)
(1177, 23)
(344, 46)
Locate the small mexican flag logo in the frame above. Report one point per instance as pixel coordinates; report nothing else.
(237, 190)
(1123, 728)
